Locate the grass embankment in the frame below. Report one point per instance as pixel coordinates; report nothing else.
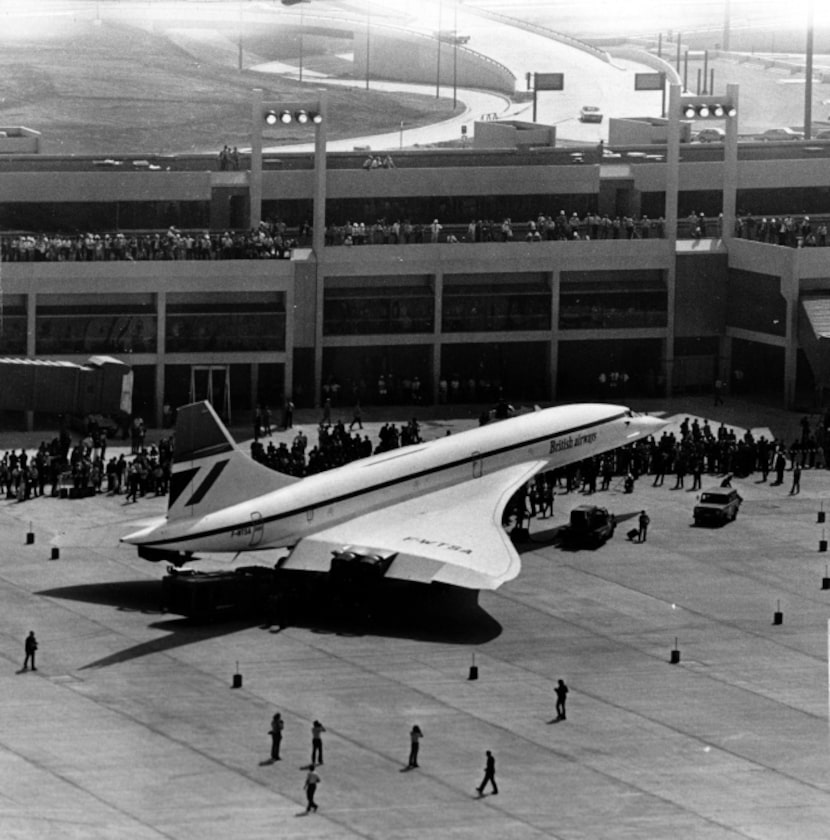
(113, 89)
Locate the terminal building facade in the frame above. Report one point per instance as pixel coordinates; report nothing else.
(464, 318)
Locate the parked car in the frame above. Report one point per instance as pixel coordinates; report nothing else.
(591, 525)
(590, 113)
(785, 133)
(710, 135)
(717, 507)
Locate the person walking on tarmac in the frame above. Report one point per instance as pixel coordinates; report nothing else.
(489, 774)
(311, 782)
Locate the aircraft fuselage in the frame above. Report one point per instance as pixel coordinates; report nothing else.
(554, 437)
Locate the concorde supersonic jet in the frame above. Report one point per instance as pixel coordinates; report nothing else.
(428, 513)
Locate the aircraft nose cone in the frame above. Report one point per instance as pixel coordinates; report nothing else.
(644, 425)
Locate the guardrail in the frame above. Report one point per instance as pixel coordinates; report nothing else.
(543, 30)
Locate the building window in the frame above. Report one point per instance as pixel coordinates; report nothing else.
(239, 322)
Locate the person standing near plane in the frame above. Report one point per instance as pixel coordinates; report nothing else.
(311, 782)
(415, 736)
(277, 724)
(796, 488)
(317, 730)
(30, 646)
(643, 522)
(561, 696)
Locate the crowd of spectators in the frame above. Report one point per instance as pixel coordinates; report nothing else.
(84, 470)
(271, 240)
(275, 239)
(697, 450)
(790, 231)
(560, 227)
(336, 445)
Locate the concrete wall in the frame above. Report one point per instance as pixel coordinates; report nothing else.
(104, 186)
(147, 276)
(449, 181)
(638, 132)
(411, 57)
(18, 140)
(505, 135)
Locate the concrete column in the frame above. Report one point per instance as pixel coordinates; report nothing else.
(318, 237)
(31, 346)
(730, 167)
(671, 303)
(255, 173)
(290, 314)
(554, 278)
(254, 384)
(161, 355)
(725, 359)
(789, 288)
(319, 282)
(672, 200)
(437, 331)
(673, 166)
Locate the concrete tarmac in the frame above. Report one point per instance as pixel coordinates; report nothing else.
(130, 727)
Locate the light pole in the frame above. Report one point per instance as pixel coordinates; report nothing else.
(455, 55)
(240, 35)
(438, 60)
(311, 113)
(368, 26)
(302, 21)
(808, 74)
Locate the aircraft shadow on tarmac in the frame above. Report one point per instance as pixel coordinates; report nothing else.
(455, 617)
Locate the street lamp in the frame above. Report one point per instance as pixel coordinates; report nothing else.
(438, 60)
(368, 27)
(304, 113)
(455, 55)
(295, 3)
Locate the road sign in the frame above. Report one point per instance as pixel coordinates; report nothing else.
(549, 81)
(649, 81)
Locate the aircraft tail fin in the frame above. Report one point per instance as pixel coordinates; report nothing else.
(210, 471)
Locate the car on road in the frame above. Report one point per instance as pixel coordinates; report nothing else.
(717, 507)
(590, 525)
(785, 133)
(710, 135)
(590, 113)
(451, 36)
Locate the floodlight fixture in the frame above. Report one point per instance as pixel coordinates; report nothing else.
(301, 116)
(707, 107)
(271, 118)
(285, 117)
